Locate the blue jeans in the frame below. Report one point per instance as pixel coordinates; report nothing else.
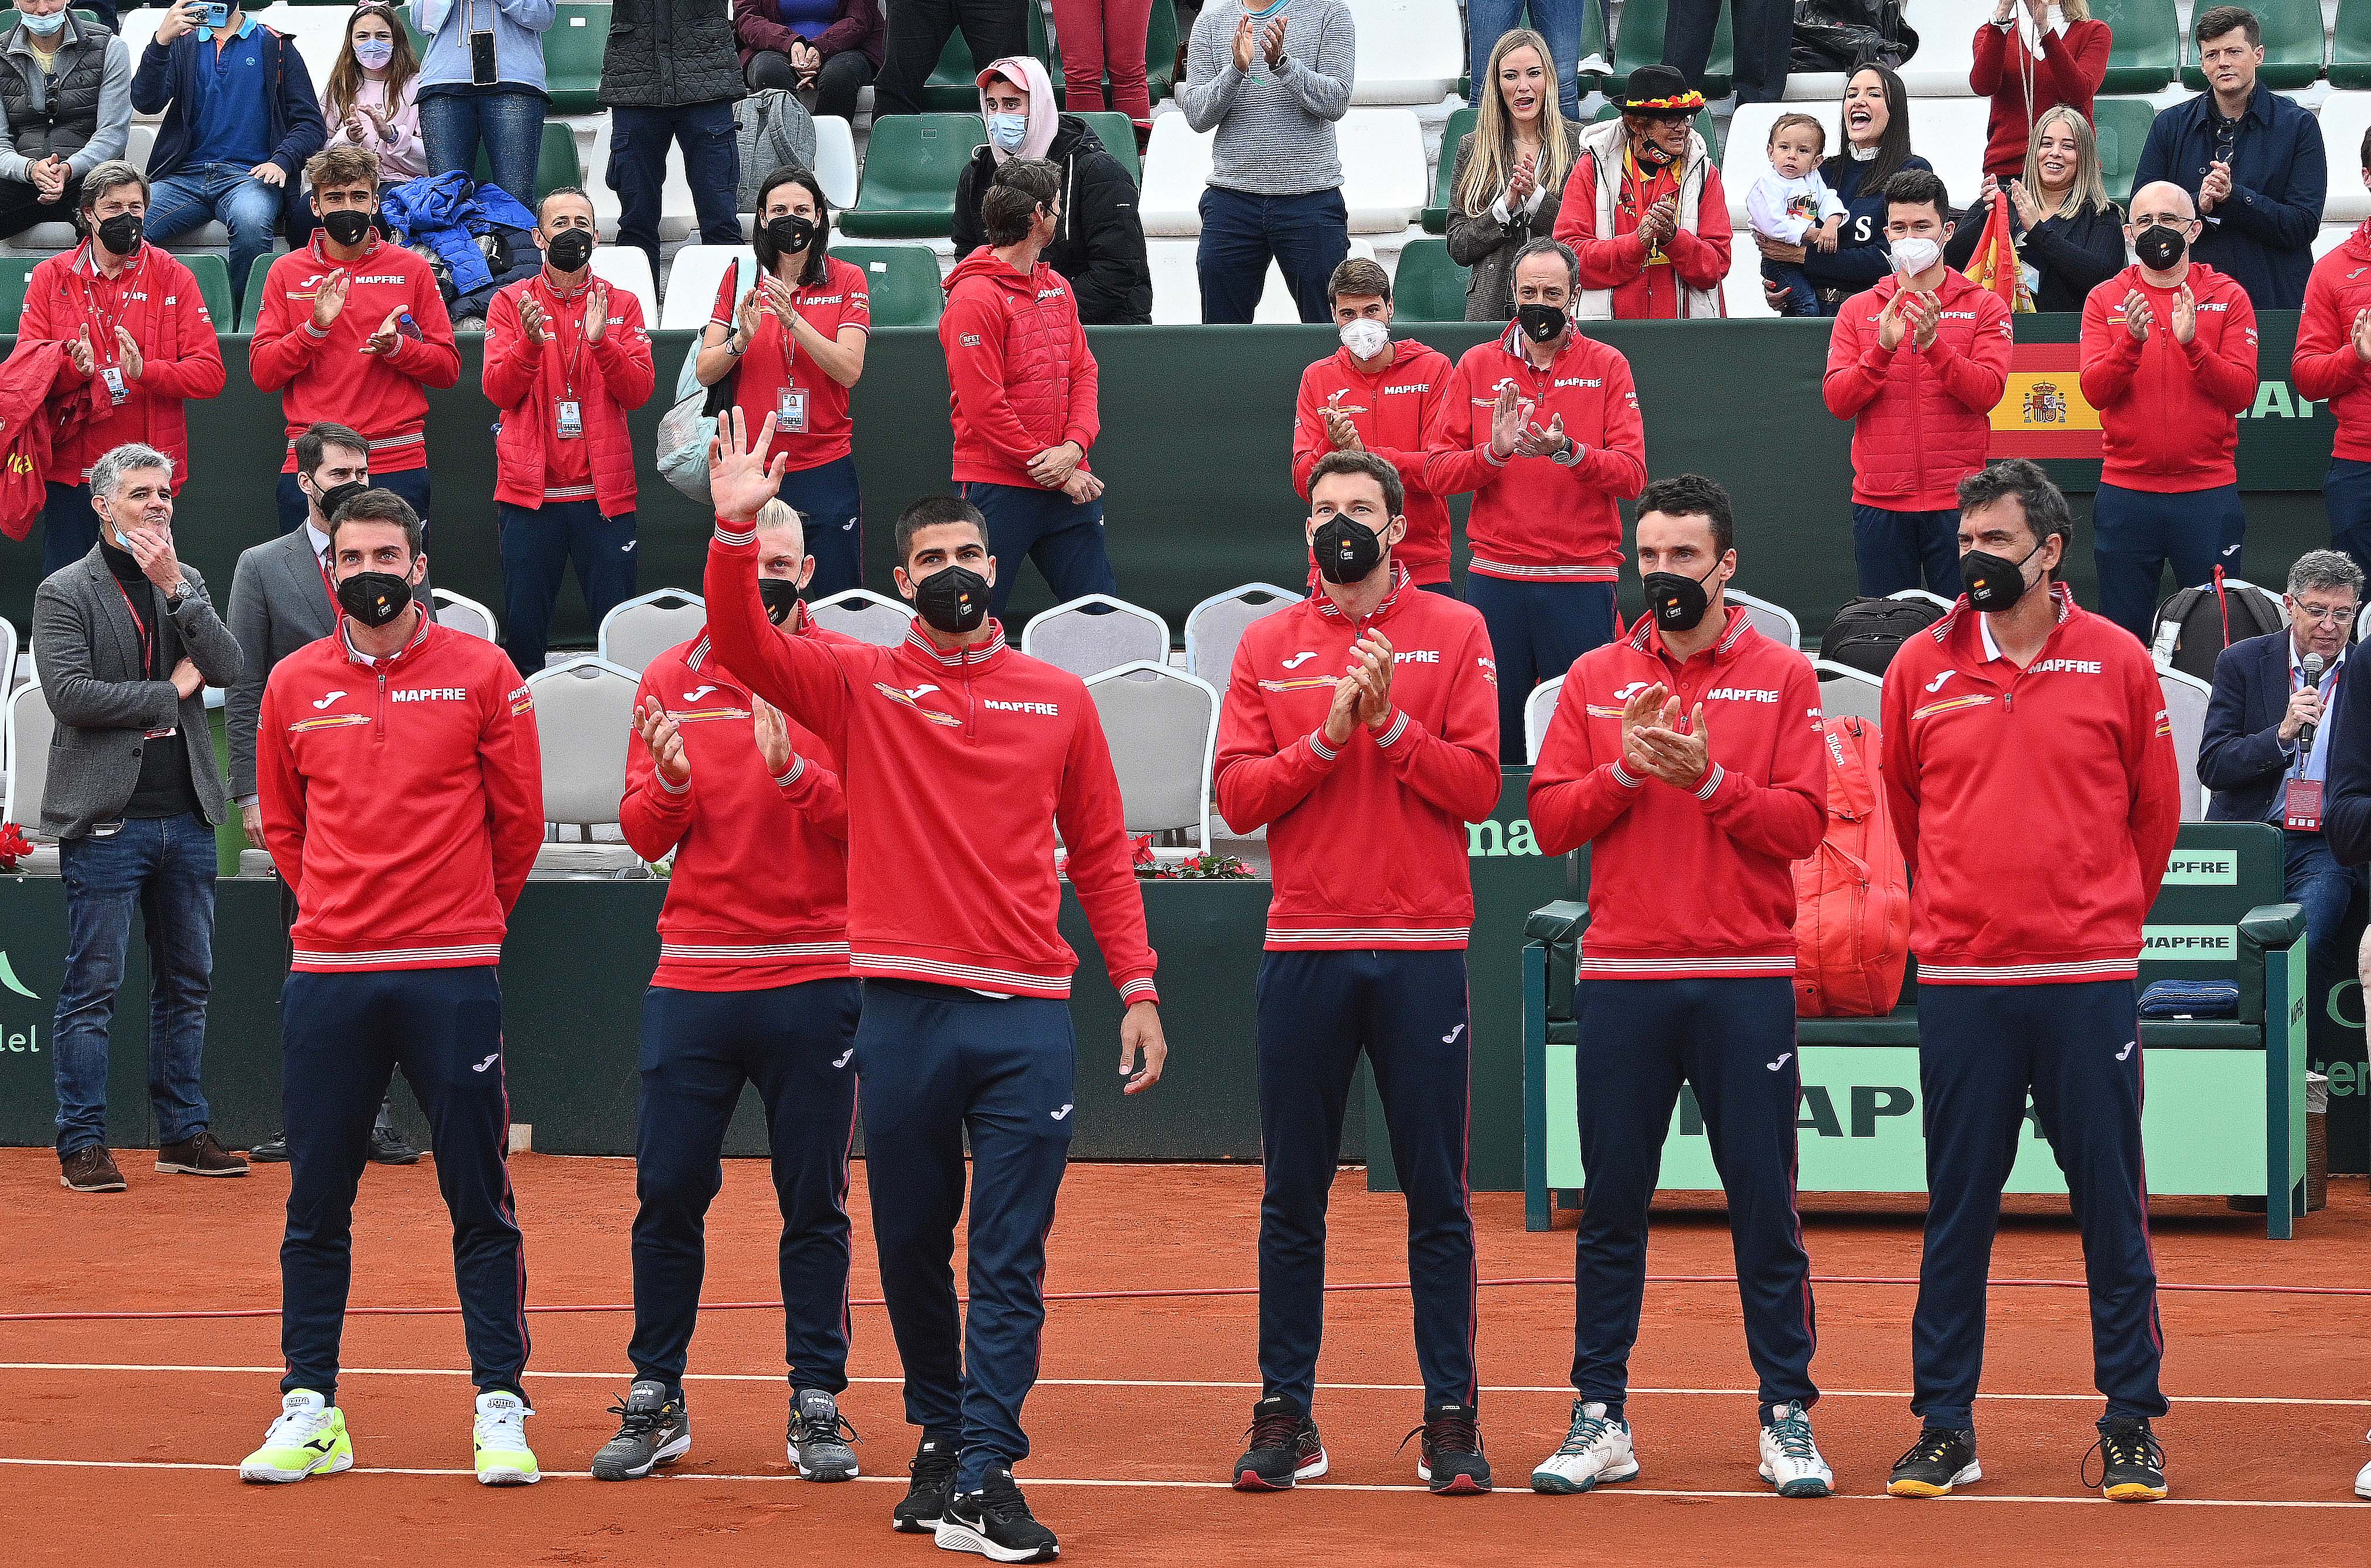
(200, 193)
(1063, 537)
(509, 121)
(69, 527)
(1558, 21)
(164, 868)
(1802, 298)
(2314, 878)
(711, 167)
(1892, 548)
(2136, 533)
(537, 544)
(1307, 236)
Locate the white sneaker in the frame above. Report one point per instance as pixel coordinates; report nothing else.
(308, 1438)
(2363, 1476)
(1790, 1459)
(499, 1440)
(1595, 1449)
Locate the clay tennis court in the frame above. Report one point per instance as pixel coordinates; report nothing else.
(121, 1433)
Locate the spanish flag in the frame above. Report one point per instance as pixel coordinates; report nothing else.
(2042, 412)
(1993, 266)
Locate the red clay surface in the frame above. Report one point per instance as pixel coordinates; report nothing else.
(1143, 1402)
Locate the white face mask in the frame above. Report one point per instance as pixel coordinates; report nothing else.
(1366, 338)
(1912, 258)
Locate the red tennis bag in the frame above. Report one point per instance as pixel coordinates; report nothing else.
(1852, 896)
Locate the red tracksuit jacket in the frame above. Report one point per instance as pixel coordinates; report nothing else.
(1922, 418)
(1688, 884)
(155, 300)
(733, 920)
(2325, 366)
(607, 380)
(1394, 412)
(2170, 411)
(2036, 808)
(1020, 374)
(1535, 519)
(403, 801)
(1369, 840)
(325, 375)
(959, 765)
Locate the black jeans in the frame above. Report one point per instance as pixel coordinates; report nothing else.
(21, 207)
(1764, 36)
(842, 77)
(919, 28)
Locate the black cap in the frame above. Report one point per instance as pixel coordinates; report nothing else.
(1659, 89)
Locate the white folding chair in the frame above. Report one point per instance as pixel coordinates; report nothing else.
(648, 625)
(1093, 633)
(865, 616)
(1538, 709)
(464, 614)
(1773, 621)
(1846, 692)
(835, 161)
(1214, 626)
(30, 725)
(7, 684)
(1410, 52)
(692, 280)
(626, 268)
(583, 720)
(1163, 726)
(2185, 709)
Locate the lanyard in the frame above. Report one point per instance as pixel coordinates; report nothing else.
(147, 651)
(103, 321)
(569, 362)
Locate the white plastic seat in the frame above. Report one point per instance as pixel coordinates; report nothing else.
(1163, 727)
(464, 614)
(2185, 707)
(692, 280)
(648, 625)
(2332, 235)
(1177, 285)
(1093, 633)
(865, 616)
(1384, 172)
(583, 720)
(30, 724)
(1846, 692)
(1176, 169)
(2344, 117)
(625, 267)
(1773, 621)
(1410, 52)
(1214, 626)
(835, 163)
(1538, 709)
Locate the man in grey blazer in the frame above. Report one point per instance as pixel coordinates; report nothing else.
(280, 600)
(126, 641)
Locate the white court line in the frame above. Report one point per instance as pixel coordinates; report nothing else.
(1622, 1490)
(1561, 1390)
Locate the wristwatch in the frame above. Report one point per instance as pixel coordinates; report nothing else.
(176, 593)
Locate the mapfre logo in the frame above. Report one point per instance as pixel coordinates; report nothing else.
(1417, 656)
(1410, 386)
(1740, 693)
(430, 694)
(1580, 381)
(2070, 666)
(1043, 709)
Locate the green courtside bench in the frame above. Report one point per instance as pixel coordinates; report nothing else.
(2225, 1114)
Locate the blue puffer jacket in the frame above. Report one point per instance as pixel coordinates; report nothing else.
(448, 214)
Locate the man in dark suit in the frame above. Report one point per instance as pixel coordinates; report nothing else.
(2255, 755)
(281, 600)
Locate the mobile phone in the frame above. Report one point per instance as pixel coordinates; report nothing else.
(482, 59)
(217, 13)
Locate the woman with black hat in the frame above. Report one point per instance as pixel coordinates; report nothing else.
(1644, 209)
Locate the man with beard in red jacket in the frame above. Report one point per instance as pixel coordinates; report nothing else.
(1023, 393)
(2333, 366)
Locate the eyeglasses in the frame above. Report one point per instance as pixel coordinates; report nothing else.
(2335, 614)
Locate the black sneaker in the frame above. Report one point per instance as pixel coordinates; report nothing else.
(272, 1150)
(995, 1521)
(388, 1146)
(1943, 1458)
(1450, 1459)
(2134, 1462)
(1282, 1449)
(655, 1430)
(934, 1483)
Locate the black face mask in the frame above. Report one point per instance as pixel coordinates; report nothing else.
(1993, 582)
(2160, 246)
(791, 233)
(120, 234)
(346, 225)
(374, 598)
(569, 249)
(337, 496)
(1346, 551)
(952, 600)
(1541, 323)
(1677, 601)
(780, 596)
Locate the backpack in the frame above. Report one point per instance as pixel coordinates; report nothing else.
(2194, 625)
(774, 131)
(1852, 895)
(1844, 35)
(689, 424)
(1865, 633)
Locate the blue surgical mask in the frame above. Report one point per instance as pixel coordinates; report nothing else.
(1008, 131)
(44, 25)
(374, 52)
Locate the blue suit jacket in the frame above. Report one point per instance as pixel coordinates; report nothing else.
(2262, 236)
(2240, 756)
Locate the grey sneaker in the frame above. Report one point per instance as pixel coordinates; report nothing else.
(655, 1430)
(819, 1438)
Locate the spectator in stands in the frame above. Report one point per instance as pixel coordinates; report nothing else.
(1100, 247)
(2168, 360)
(1542, 424)
(1553, 33)
(826, 50)
(2031, 57)
(2070, 237)
(1381, 397)
(359, 343)
(240, 120)
(1271, 83)
(795, 342)
(482, 84)
(1106, 34)
(1507, 185)
(671, 74)
(1025, 394)
(2333, 350)
(1792, 202)
(1917, 364)
(65, 108)
(919, 30)
(127, 641)
(132, 319)
(567, 360)
(1763, 35)
(373, 96)
(1877, 147)
(2249, 159)
(2270, 731)
(1644, 211)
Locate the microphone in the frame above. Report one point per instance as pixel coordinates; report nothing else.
(2313, 663)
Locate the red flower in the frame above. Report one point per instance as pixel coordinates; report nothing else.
(14, 845)
(1142, 845)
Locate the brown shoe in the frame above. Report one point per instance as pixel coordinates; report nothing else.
(90, 1169)
(199, 1156)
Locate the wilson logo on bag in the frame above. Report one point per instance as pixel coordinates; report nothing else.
(1852, 895)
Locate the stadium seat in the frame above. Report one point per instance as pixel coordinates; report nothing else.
(1947, 53)
(464, 614)
(1382, 173)
(1093, 633)
(693, 278)
(865, 616)
(2147, 46)
(2344, 118)
(648, 625)
(1949, 133)
(903, 281)
(1459, 126)
(836, 161)
(2292, 45)
(2185, 706)
(911, 168)
(1177, 287)
(213, 274)
(583, 715)
(1846, 692)
(1117, 133)
(573, 50)
(1429, 285)
(2330, 238)
(1538, 709)
(1176, 169)
(7, 686)
(30, 726)
(625, 267)
(256, 273)
(1773, 621)
(2350, 45)
(1410, 52)
(1215, 626)
(1706, 126)
(555, 164)
(1163, 727)
(1592, 47)
(1639, 41)
(954, 86)
(14, 272)
(2123, 126)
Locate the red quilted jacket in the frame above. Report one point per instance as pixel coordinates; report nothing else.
(613, 377)
(1017, 360)
(1921, 419)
